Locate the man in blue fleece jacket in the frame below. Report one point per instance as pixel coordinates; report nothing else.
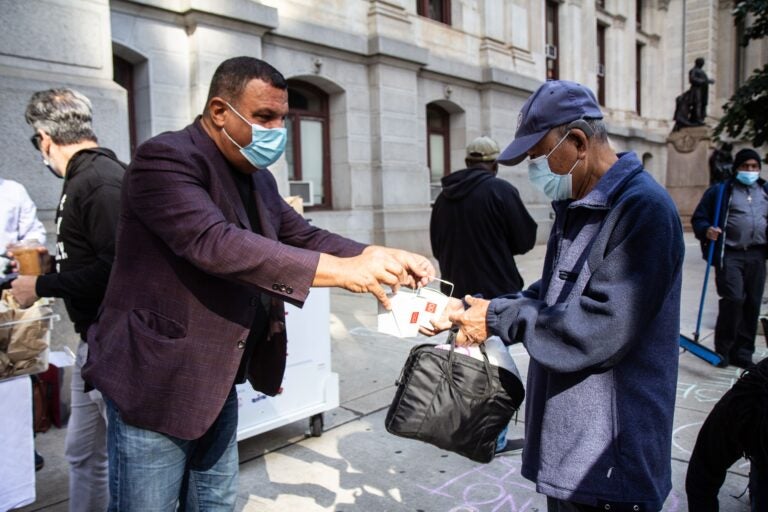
(602, 323)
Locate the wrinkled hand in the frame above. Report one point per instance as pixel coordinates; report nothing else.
(471, 322)
(713, 232)
(443, 323)
(23, 290)
(370, 271)
(419, 270)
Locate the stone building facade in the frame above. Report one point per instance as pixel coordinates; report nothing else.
(384, 93)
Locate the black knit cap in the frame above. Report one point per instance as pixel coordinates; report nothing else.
(744, 155)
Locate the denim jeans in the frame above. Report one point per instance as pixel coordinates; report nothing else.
(152, 472)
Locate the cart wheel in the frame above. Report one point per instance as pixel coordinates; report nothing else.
(316, 425)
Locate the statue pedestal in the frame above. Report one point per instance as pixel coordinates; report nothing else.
(688, 169)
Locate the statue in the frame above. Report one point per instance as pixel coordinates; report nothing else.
(691, 106)
(699, 91)
(721, 163)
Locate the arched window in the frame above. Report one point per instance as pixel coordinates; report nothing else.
(308, 148)
(438, 146)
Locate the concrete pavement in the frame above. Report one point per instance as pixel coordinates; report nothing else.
(357, 466)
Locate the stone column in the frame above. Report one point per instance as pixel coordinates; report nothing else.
(399, 180)
(213, 39)
(493, 49)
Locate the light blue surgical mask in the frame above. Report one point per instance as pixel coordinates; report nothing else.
(747, 177)
(556, 186)
(267, 144)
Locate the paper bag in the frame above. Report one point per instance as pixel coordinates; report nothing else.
(411, 310)
(403, 319)
(24, 333)
(433, 305)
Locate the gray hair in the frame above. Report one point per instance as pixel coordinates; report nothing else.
(64, 114)
(599, 130)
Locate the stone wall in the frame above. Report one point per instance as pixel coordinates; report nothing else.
(380, 65)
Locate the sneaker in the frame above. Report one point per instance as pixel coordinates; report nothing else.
(512, 447)
(39, 461)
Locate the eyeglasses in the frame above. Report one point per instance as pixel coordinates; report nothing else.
(35, 140)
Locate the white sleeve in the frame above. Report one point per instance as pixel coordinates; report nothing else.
(30, 227)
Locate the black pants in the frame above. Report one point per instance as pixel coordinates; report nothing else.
(740, 282)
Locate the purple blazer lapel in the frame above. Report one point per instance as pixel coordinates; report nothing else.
(267, 228)
(204, 142)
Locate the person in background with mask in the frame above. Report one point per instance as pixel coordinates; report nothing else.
(478, 225)
(739, 257)
(602, 324)
(86, 223)
(207, 253)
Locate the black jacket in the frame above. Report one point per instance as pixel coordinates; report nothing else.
(478, 224)
(86, 224)
(736, 427)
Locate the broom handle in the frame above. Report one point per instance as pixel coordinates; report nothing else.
(710, 254)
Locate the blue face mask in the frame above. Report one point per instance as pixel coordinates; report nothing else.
(267, 144)
(556, 186)
(747, 177)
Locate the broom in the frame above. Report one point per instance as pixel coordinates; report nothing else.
(692, 345)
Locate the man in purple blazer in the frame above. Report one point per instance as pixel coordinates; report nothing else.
(207, 252)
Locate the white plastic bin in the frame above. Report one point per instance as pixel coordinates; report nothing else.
(309, 386)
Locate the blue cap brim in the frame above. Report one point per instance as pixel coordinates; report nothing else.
(517, 151)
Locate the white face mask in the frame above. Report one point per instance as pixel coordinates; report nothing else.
(49, 165)
(556, 186)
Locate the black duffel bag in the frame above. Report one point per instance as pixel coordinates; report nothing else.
(454, 401)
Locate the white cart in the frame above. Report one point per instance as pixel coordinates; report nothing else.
(309, 386)
(17, 453)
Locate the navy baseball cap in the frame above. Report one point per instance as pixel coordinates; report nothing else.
(555, 103)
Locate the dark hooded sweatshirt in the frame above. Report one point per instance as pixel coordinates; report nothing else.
(86, 224)
(478, 224)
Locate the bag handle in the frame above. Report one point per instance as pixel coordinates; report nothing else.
(486, 363)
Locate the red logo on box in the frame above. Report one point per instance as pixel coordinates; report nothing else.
(431, 307)
(414, 317)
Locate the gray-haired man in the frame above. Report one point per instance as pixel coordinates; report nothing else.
(602, 324)
(86, 222)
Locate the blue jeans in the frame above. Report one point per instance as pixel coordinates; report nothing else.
(152, 472)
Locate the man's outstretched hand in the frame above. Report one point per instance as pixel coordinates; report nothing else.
(373, 269)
